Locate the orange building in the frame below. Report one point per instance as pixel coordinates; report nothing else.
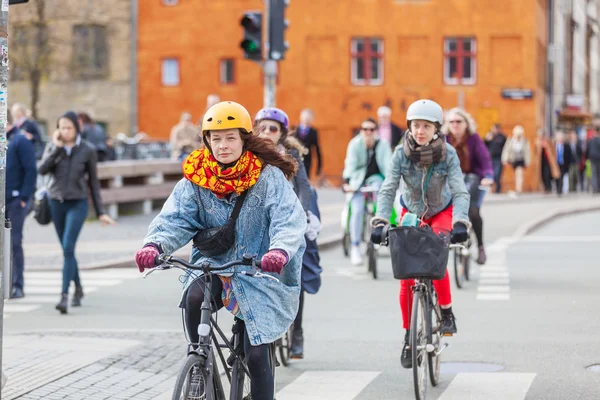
(347, 58)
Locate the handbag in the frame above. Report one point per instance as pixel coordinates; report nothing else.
(216, 241)
(41, 205)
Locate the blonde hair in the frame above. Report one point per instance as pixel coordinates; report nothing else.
(519, 131)
(471, 125)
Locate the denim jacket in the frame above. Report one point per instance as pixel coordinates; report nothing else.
(446, 186)
(271, 218)
(355, 165)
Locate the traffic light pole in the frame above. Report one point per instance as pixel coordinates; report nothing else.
(3, 146)
(270, 80)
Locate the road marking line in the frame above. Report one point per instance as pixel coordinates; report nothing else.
(489, 386)
(493, 296)
(494, 268)
(20, 308)
(327, 385)
(53, 290)
(494, 281)
(34, 300)
(484, 274)
(58, 282)
(493, 289)
(559, 239)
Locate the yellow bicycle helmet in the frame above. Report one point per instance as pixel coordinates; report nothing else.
(226, 115)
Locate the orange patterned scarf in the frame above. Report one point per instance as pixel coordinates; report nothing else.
(203, 169)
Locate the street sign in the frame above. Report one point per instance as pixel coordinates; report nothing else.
(517, 94)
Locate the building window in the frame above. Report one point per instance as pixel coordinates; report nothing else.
(460, 61)
(90, 52)
(29, 52)
(366, 67)
(170, 2)
(227, 71)
(170, 72)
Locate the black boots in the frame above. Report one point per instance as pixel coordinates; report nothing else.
(297, 350)
(63, 304)
(76, 302)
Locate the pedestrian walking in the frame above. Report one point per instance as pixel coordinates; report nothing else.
(21, 174)
(388, 131)
(576, 157)
(518, 154)
(22, 121)
(545, 152)
(71, 163)
(495, 141)
(94, 134)
(593, 154)
(564, 158)
(184, 138)
(309, 137)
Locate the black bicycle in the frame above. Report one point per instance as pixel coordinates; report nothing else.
(425, 338)
(199, 378)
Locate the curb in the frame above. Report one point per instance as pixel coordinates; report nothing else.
(127, 262)
(532, 226)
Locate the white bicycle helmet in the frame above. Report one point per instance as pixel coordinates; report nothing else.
(424, 109)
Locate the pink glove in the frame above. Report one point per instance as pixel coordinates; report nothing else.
(145, 258)
(274, 261)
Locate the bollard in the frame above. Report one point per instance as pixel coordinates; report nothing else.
(7, 254)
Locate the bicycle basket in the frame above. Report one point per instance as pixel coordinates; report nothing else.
(419, 252)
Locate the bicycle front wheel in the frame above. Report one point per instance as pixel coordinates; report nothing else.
(284, 344)
(434, 315)
(418, 344)
(195, 380)
(459, 268)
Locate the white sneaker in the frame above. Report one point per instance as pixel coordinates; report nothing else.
(355, 256)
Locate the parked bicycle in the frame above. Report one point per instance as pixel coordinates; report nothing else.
(199, 378)
(421, 254)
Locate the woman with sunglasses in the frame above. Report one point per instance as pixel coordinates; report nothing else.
(434, 190)
(236, 166)
(273, 124)
(475, 163)
(366, 164)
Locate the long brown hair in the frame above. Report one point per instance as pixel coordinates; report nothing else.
(268, 154)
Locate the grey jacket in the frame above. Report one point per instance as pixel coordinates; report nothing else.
(446, 187)
(68, 173)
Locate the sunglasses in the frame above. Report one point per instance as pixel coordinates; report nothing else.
(457, 121)
(271, 128)
(368, 129)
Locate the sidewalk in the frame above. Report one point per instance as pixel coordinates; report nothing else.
(113, 246)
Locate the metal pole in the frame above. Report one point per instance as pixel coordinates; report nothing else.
(133, 129)
(3, 146)
(551, 58)
(269, 66)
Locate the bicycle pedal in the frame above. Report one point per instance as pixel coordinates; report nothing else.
(447, 334)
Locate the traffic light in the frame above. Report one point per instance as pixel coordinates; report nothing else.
(277, 26)
(252, 43)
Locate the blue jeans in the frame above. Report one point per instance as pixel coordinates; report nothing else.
(497, 165)
(17, 214)
(358, 210)
(68, 218)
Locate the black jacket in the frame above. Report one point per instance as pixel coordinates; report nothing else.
(397, 134)
(310, 140)
(68, 173)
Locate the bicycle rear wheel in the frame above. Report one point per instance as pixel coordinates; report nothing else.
(195, 380)
(459, 268)
(284, 344)
(435, 323)
(346, 244)
(418, 345)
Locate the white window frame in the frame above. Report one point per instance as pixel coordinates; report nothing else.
(170, 2)
(353, 69)
(460, 81)
(223, 71)
(170, 72)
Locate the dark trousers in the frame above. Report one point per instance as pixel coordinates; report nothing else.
(262, 385)
(68, 218)
(497, 165)
(595, 176)
(17, 215)
(298, 320)
(546, 176)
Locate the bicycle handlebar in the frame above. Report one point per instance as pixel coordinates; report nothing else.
(166, 260)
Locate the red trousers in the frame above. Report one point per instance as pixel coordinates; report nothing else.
(442, 287)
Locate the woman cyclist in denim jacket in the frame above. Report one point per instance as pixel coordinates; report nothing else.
(271, 223)
(475, 163)
(273, 124)
(425, 156)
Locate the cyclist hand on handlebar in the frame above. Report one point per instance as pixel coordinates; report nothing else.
(459, 233)
(274, 261)
(486, 182)
(145, 258)
(377, 234)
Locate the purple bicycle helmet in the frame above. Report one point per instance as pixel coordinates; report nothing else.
(274, 114)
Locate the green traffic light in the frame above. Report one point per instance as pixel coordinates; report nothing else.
(250, 46)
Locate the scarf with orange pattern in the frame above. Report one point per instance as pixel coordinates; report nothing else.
(204, 170)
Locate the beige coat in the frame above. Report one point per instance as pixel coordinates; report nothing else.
(185, 137)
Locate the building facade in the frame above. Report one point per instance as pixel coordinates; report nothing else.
(80, 53)
(347, 58)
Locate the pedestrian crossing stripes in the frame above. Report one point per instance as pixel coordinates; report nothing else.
(494, 277)
(327, 385)
(43, 287)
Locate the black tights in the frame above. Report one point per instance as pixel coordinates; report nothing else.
(477, 223)
(262, 385)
